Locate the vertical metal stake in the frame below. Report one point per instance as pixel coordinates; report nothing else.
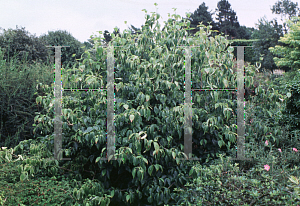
(110, 103)
(188, 106)
(57, 107)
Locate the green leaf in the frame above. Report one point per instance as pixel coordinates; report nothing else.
(97, 159)
(207, 70)
(198, 99)
(156, 146)
(277, 103)
(201, 142)
(148, 114)
(38, 99)
(88, 130)
(131, 117)
(134, 161)
(150, 169)
(104, 148)
(130, 150)
(112, 193)
(125, 106)
(110, 157)
(156, 167)
(230, 49)
(191, 171)
(151, 129)
(220, 143)
(269, 113)
(216, 96)
(133, 172)
(173, 155)
(157, 16)
(139, 175)
(294, 180)
(127, 198)
(145, 160)
(103, 172)
(23, 176)
(288, 94)
(147, 97)
(225, 82)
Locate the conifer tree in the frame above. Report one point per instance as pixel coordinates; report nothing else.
(226, 19)
(201, 15)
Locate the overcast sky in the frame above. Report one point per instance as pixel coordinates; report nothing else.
(85, 17)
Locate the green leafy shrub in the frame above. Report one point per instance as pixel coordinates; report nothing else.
(22, 46)
(149, 112)
(269, 143)
(149, 135)
(18, 94)
(37, 190)
(290, 57)
(289, 53)
(63, 38)
(223, 183)
(292, 113)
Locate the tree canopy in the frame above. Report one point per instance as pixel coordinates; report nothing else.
(285, 8)
(291, 51)
(226, 19)
(268, 34)
(19, 43)
(63, 38)
(201, 14)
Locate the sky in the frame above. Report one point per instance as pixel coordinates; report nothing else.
(85, 18)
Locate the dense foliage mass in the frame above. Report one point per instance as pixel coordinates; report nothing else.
(63, 38)
(149, 100)
(20, 44)
(24, 62)
(18, 94)
(149, 122)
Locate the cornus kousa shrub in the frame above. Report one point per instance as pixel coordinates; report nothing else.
(149, 114)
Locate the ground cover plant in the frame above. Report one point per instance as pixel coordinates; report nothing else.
(149, 131)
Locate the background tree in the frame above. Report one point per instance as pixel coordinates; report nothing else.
(268, 34)
(201, 15)
(116, 31)
(290, 58)
(87, 45)
(244, 32)
(285, 8)
(19, 43)
(290, 52)
(134, 30)
(64, 38)
(107, 37)
(226, 19)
